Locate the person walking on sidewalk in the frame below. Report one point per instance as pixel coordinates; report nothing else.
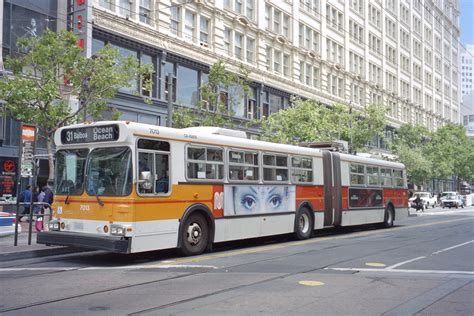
(48, 198)
(25, 199)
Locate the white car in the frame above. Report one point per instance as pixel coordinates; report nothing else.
(426, 197)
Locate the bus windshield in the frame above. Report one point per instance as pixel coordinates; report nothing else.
(70, 171)
(109, 172)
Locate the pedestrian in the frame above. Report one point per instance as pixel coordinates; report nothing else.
(47, 200)
(48, 193)
(39, 198)
(25, 199)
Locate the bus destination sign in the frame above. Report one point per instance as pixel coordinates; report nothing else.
(90, 134)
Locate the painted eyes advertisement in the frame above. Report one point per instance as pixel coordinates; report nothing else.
(258, 199)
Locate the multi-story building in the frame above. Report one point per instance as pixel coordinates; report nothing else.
(398, 52)
(467, 72)
(402, 53)
(22, 18)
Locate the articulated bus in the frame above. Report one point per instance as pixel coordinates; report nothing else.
(129, 187)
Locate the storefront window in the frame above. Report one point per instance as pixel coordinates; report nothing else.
(236, 95)
(148, 91)
(188, 88)
(124, 53)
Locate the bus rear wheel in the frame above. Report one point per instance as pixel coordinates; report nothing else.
(303, 224)
(389, 217)
(195, 235)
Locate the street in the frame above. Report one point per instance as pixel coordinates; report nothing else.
(424, 265)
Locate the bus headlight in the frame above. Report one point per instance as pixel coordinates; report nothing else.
(54, 225)
(118, 230)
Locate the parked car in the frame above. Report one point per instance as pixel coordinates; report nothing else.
(452, 200)
(426, 198)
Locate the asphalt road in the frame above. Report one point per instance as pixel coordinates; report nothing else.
(424, 265)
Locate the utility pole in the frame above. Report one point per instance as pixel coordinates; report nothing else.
(169, 122)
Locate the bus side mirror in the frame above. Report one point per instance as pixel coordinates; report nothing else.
(145, 180)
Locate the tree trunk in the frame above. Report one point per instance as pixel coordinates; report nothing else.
(49, 148)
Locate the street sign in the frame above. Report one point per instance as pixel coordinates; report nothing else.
(28, 137)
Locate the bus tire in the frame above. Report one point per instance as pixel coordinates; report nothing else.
(195, 236)
(303, 224)
(389, 217)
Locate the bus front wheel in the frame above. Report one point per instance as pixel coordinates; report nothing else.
(195, 236)
(303, 224)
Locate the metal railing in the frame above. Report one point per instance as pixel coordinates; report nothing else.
(45, 212)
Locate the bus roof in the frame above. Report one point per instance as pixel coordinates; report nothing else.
(211, 136)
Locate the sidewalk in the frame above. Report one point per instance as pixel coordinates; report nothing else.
(10, 252)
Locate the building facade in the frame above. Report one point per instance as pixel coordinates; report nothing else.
(402, 53)
(22, 18)
(467, 72)
(398, 52)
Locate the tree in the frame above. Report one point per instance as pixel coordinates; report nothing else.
(36, 92)
(310, 121)
(222, 91)
(306, 121)
(451, 153)
(367, 124)
(409, 145)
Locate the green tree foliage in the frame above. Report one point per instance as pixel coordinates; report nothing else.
(451, 153)
(409, 146)
(367, 124)
(36, 92)
(222, 91)
(310, 121)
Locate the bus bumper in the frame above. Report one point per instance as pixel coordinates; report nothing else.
(108, 243)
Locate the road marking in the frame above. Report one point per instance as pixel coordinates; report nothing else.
(402, 271)
(453, 247)
(404, 262)
(260, 249)
(375, 264)
(189, 261)
(311, 283)
(432, 254)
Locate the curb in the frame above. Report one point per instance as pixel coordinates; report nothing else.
(39, 253)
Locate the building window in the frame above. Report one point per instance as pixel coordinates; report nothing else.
(125, 8)
(334, 52)
(310, 6)
(144, 11)
(334, 18)
(204, 30)
(189, 25)
(106, 4)
(187, 86)
(238, 45)
(174, 24)
(250, 50)
(374, 16)
(357, 6)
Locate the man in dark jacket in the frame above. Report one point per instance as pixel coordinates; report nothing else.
(48, 193)
(25, 199)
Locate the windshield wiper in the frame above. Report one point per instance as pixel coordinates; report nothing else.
(66, 201)
(98, 199)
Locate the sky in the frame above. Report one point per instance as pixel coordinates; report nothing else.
(467, 21)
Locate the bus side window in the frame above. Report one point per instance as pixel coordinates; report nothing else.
(162, 174)
(145, 164)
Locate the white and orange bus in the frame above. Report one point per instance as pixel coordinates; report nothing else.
(129, 187)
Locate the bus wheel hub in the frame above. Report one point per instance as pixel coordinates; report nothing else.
(194, 233)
